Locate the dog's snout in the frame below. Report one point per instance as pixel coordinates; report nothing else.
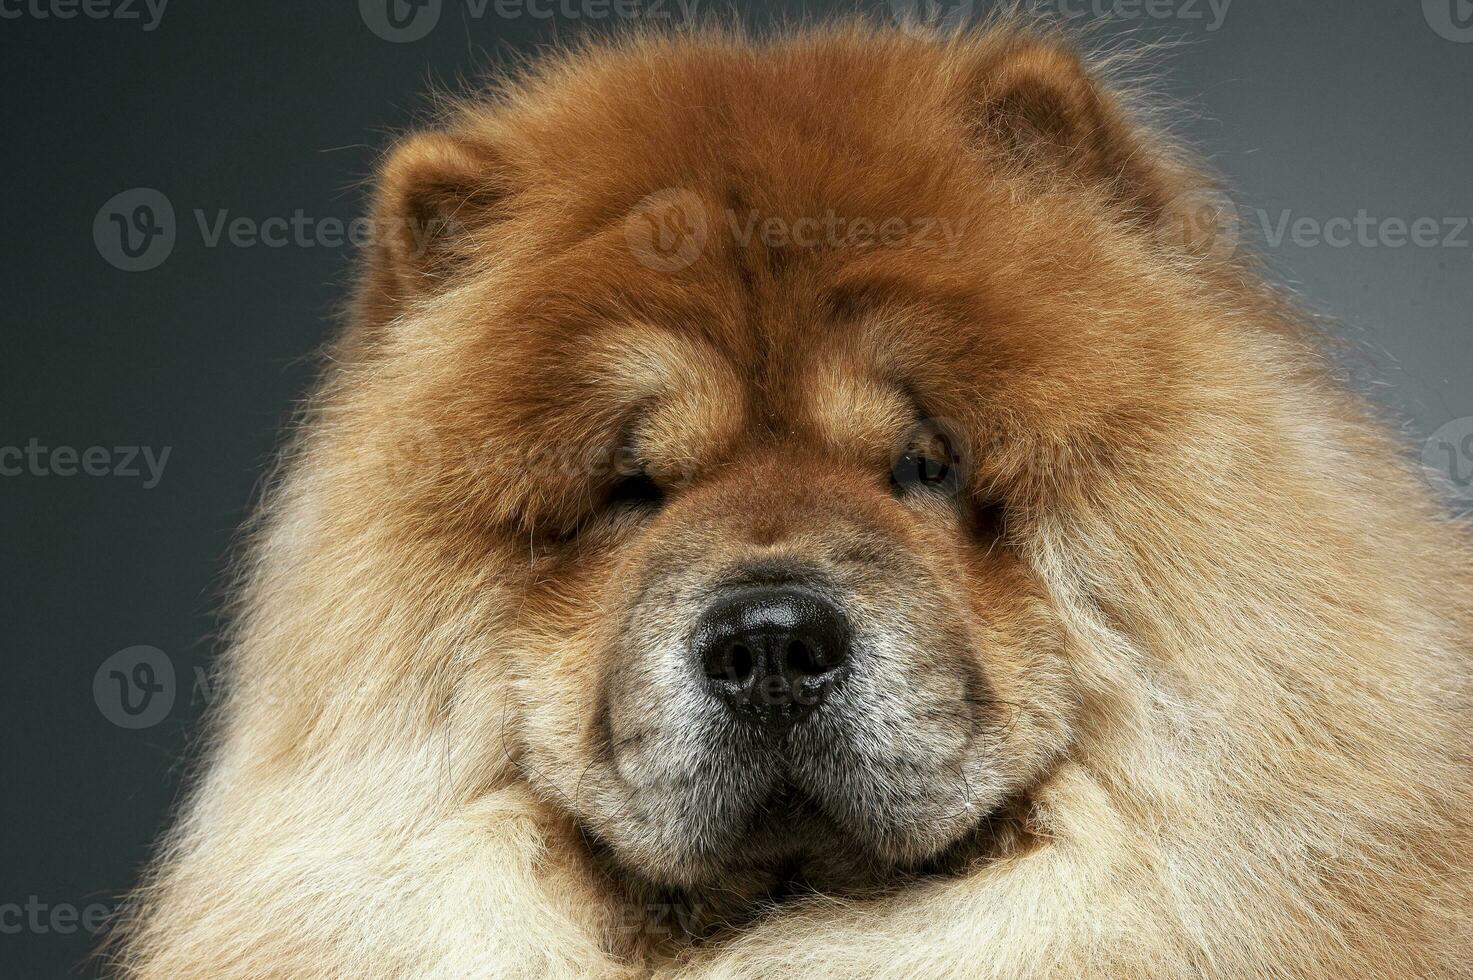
(772, 653)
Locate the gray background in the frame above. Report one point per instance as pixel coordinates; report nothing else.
(1311, 110)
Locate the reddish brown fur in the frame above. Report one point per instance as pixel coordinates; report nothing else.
(1230, 625)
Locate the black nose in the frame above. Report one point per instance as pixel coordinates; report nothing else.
(772, 653)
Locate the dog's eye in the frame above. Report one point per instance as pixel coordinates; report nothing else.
(636, 490)
(916, 470)
(930, 463)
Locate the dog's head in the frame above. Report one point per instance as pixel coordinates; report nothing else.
(760, 384)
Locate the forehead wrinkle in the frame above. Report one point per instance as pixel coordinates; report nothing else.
(693, 401)
(639, 360)
(855, 408)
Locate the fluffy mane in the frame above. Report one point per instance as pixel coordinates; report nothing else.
(1267, 613)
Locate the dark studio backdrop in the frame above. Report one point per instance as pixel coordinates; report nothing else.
(179, 182)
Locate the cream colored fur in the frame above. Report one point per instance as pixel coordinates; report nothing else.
(1269, 627)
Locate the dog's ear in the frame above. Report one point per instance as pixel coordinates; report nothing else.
(1035, 106)
(437, 195)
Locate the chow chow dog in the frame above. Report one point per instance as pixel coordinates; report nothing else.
(821, 505)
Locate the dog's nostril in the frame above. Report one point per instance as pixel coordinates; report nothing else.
(738, 663)
(802, 659)
(772, 652)
(729, 662)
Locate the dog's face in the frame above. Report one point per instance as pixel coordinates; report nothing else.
(791, 634)
(764, 452)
